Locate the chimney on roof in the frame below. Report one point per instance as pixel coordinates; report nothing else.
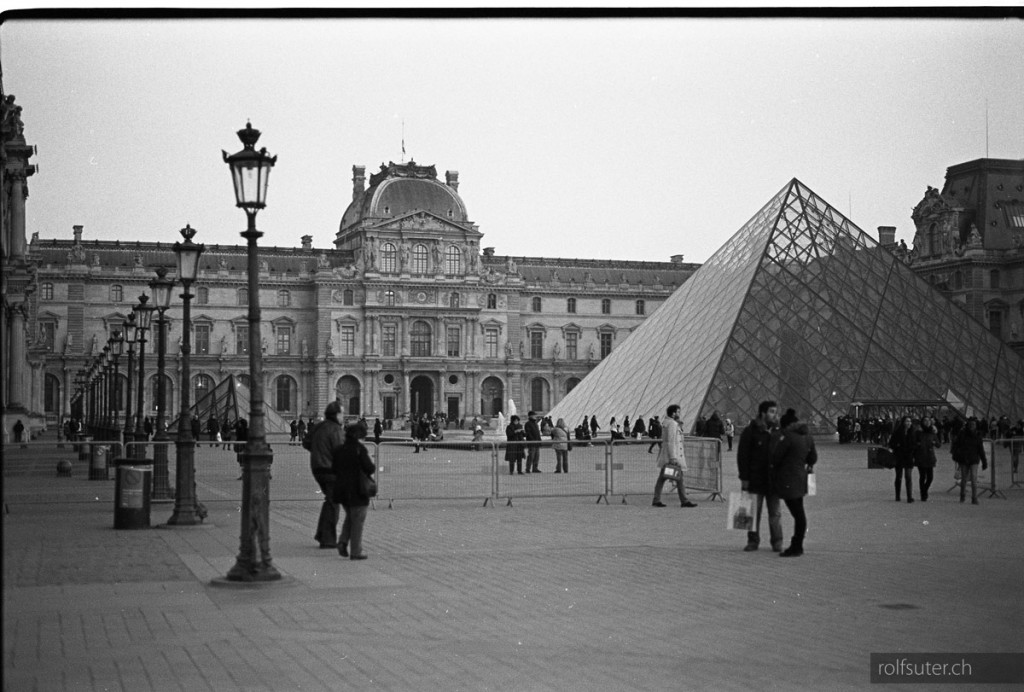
(488, 252)
(452, 178)
(307, 242)
(358, 181)
(78, 234)
(676, 259)
(886, 236)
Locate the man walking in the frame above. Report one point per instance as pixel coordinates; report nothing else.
(671, 455)
(533, 450)
(654, 431)
(321, 443)
(753, 456)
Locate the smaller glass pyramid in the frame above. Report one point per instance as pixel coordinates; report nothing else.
(803, 307)
(227, 402)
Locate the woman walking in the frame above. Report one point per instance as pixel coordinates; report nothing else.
(515, 452)
(793, 458)
(927, 442)
(351, 465)
(560, 434)
(968, 449)
(902, 444)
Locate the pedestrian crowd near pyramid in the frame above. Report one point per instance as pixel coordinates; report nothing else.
(803, 307)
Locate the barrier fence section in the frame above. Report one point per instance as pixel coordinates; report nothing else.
(634, 469)
(405, 470)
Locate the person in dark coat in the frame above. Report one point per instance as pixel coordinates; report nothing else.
(753, 457)
(514, 453)
(928, 440)
(968, 449)
(321, 443)
(378, 428)
(350, 462)
(793, 458)
(902, 444)
(532, 430)
(594, 427)
(654, 430)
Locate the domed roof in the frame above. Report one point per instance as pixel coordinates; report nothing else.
(401, 188)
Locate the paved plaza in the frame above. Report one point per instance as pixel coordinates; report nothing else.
(550, 593)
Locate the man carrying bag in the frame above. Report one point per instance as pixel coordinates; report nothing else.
(321, 442)
(671, 461)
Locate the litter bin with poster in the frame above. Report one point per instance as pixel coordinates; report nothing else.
(98, 462)
(132, 489)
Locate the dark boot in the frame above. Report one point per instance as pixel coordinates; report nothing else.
(795, 549)
(752, 541)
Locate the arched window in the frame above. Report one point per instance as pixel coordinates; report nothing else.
(284, 298)
(46, 291)
(116, 293)
(453, 300)
(419, 259)
(202, 295)
(389, 298)
(641, 307)
(606, 306)
(388, 258)
(535, 304)
(284, 400)
(570, 305)
(538, 394)
(492, 301)
(452, 261)
(203, 385)
(243, 296)
(419, 338)
(348, 297)
(51, 394)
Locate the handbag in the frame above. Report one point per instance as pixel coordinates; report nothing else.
(671, 472)
(812, 484)
(369, 486)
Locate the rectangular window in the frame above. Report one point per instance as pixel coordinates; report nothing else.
(284, 341)
(537, 345)
(388, 339)
(571, 344)
(995, 323)
(491, 343)
(202, 337)
(242, 339)
(348, 340)
(454, 337)
(606, 344)
(48, 332)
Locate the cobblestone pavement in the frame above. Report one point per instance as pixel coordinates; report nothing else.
(546, 594)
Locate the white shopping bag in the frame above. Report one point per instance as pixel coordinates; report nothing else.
(812, 484)
(741, 512)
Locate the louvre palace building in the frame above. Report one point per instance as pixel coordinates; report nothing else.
(408, 312)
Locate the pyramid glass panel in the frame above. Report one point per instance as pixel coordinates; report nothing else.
(803, 307)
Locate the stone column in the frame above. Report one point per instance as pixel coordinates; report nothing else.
(17, 216)
(17, 397)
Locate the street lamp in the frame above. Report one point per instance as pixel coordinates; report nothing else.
(186, 508)
(129, 337)
(250, 171)
(107, 399)
(116, 394)
(145, 316)
(162, 288)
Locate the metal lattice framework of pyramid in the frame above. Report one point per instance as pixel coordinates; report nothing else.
(803, 307)
(229, 401)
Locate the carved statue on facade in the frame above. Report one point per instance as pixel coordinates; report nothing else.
(224, 344)
(138, 262)
(510, 265)
(329, 347)
(304, 348)
(974, 239)
(323, 262)
(556, 350)
(95, 259)
(92, 345)
(403, 252)
(590, 352)
(435, 253)
(222, 263)
(508, 349)
(77, 255)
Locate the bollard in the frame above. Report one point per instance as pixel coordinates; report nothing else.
(98, 465)
(133, 486)
(64, 467)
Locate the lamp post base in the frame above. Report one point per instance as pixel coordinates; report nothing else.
(254, 562)
(161, 476)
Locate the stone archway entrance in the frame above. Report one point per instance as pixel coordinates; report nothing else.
(421, 396)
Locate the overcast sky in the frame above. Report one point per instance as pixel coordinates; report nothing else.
(629, 138)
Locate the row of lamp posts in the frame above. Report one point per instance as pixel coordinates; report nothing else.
(250, 171)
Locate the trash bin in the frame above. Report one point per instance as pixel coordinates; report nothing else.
(133, 486)
(84, 452)
(98, 465)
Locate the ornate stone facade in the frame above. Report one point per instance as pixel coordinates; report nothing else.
(969, 243)
(405, 314)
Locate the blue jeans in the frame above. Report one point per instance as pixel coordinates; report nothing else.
(774, 520)
(352, 528)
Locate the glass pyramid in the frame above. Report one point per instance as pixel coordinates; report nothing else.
(803, 307)
(229, 401)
